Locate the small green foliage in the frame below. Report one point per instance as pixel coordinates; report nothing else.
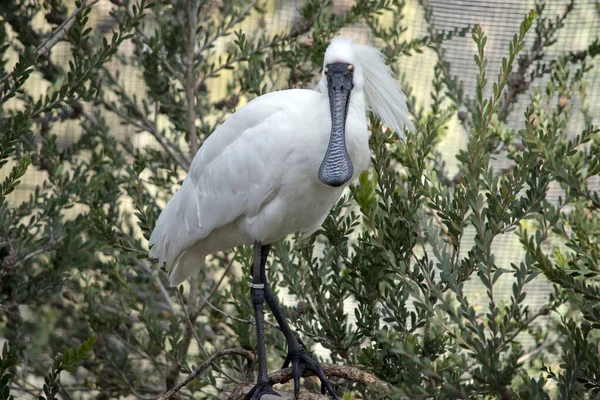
(7, 362)
(72, 358)
(12, 180)
(68, 361)
(386, 285)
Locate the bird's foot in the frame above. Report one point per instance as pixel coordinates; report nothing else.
(260, 390)
(302, 362)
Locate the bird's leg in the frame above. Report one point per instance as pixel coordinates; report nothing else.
(258, 298)
(297, 355)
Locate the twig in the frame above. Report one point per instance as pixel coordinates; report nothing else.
(202, 367)
(162, 58)
(129, 385)
(41, 250)
(62, 30)
(191, 313)
(58, 34)
(188, 320)
(144, 123)
(64, 392)
(245, 321)
(230, 25)
(190, 329)
(162, 288)
(518, 84)
(149, 127)
(455, 87)
(130, 317)
(312, 304)
(215, 287)
(525, 357)
(165, 294)
(299, 30)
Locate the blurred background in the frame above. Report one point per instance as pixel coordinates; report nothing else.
(580, 20)
(498, 18)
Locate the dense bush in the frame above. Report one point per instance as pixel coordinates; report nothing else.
(381, 286)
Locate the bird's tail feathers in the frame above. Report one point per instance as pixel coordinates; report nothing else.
(187, 265)
(170, 237)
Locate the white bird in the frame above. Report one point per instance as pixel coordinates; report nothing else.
(275, 167)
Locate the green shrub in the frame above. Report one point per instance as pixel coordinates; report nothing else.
(382, 286)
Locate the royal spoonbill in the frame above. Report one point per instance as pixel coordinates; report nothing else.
(275, 167)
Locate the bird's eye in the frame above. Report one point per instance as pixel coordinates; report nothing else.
(351, 68)
(325, 70)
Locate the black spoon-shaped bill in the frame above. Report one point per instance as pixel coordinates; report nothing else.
(336, 167)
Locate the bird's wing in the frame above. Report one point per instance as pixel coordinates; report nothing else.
(234, 173)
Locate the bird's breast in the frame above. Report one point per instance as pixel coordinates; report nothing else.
(301, 201)
(313, 140)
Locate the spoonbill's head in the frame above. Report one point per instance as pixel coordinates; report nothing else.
(342, 60)
(349, 67)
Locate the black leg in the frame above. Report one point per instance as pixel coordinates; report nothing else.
(258, 298)
(296, 354)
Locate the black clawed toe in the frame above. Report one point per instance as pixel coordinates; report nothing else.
(302, 362)
(260, 390)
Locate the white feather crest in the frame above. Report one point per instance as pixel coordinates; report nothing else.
(382, 92)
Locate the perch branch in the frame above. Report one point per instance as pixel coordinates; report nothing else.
(241, 391)
(338, 371)
(331, 370)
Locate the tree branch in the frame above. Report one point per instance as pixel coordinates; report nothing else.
(331, 370)
(297, 31)
(215, 287)
(245, 321)
(161, 287)
(234, 21)
(202, 367)
(147, 126)
(548, 343)
(517, 83)
(190, 312)
(338, 371)
(58, 34)
(62, 30)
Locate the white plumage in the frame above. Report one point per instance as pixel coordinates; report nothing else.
(255, 178)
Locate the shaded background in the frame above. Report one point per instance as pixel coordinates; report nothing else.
(500, 19)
